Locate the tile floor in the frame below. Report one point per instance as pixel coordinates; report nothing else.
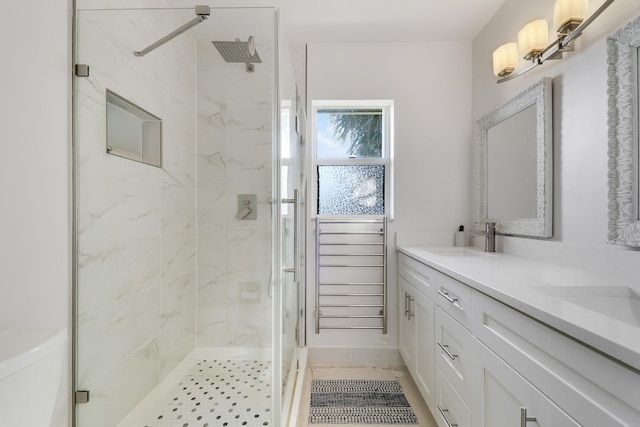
(220, 393)
(237, 393)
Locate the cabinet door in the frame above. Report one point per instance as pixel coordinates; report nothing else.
(406, 326)
(509, 400)
(422, 309)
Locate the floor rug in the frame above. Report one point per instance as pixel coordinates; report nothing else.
(359, 402)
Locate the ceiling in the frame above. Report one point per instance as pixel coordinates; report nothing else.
(308, 21)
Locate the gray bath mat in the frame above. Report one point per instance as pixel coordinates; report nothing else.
(359, 402)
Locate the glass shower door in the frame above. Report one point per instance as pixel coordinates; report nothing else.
(291, 223)
(289, 280)
(167, 275)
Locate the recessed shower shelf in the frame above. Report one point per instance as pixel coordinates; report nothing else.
(133, 133)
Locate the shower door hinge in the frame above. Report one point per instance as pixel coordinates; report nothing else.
(82, 396)
(82, 70)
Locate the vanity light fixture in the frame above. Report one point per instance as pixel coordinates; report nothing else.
(505, 59)
(533, 38)
(569, 14)
(533, 42)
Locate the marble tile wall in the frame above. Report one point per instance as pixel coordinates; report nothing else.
(235, 112)
(136, 223)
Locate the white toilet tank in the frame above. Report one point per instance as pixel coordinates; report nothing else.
(31, 362)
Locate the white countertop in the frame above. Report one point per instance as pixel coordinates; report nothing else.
(549, 293)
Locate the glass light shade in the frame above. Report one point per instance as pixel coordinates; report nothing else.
(567, 11)
(533, 38)
(505, 59)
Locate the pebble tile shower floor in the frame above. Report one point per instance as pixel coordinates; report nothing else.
(219, 393)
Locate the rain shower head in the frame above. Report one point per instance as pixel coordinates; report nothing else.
(239, 51)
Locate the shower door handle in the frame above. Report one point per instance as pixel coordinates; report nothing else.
(294, 269)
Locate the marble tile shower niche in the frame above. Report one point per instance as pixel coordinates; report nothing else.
(164, 270)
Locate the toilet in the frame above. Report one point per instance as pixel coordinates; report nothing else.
(31, 364)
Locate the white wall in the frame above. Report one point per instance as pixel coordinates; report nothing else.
(580, 134)
(34, 174)
(430, 84)
(34, 168)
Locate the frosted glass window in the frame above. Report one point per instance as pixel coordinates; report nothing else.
(351, 190)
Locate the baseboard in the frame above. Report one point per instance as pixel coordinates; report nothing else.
(354, 356)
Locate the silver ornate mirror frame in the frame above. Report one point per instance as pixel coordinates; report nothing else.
(622, 51)
(542, 226)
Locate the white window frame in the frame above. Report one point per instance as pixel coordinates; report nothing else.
(386, 160)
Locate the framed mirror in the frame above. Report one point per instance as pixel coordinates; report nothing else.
(624, 107)
(515, 164)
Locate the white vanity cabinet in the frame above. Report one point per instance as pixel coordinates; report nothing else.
(494, 366)
(443, 382)
(416, 324)
(593, 389)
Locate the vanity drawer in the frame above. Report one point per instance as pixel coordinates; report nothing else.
(422, 277)
(593, 389)
(450, 408)
(454, 353)
(455, 299)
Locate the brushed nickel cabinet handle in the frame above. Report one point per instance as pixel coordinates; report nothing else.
(445, 348)
(444, 413)
(446, 296)
(524, 419)
(409, 306)
(406, 304)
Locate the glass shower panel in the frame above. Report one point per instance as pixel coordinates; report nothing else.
(169, 283)
(289, 296)
(292, 223)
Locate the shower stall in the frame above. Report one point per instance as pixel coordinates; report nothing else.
(187, 272)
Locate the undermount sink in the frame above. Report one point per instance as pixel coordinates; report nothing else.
(457, 251)
(618, 302)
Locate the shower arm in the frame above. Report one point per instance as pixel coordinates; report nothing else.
(203, 13)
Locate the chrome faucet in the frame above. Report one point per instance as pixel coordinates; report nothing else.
(489, 234)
